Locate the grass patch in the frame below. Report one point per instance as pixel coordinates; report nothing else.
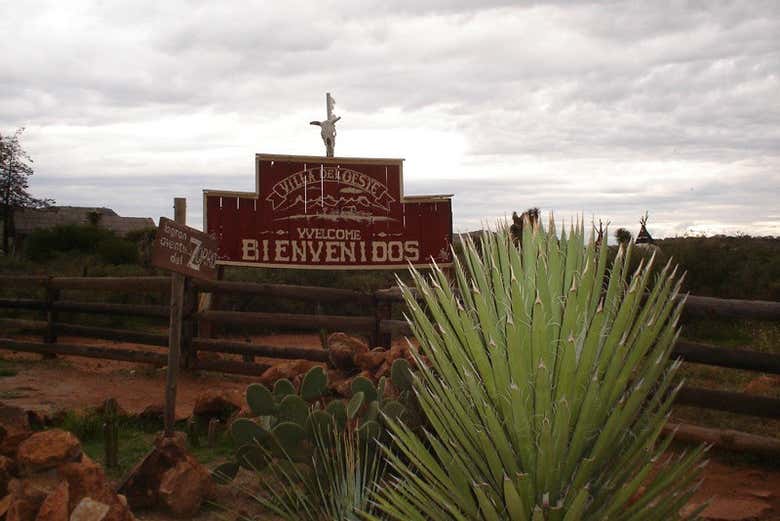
(744, 334)
(7, 369)
(136, 438)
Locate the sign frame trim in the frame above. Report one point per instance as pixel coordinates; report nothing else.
(259, 157)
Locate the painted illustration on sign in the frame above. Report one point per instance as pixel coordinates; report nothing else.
(333, 213)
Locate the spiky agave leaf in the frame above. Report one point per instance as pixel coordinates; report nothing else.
(548, 385)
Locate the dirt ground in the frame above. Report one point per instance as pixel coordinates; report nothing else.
(737, 491)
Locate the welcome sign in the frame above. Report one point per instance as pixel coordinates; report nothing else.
(329, 213)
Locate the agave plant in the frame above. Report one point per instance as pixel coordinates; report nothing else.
(548, 385)
(336, 484)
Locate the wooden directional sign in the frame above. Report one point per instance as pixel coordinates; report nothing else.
(329, 213)
(184, 250)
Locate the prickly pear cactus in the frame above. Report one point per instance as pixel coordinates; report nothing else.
(287, 422)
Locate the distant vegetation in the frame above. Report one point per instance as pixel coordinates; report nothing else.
(43, 245)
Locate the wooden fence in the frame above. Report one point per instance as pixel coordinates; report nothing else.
(376, 324)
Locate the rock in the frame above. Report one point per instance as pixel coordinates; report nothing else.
(14, 428)
(217, 403)
(32, 490)
(21, 510)
(47, 449)
(4, 504)
(155, 411)
(87, 479)
(6, 473)
(89, 510)
(370, 360)
(209, 355)
(144, 485)
(354, 344)
(342, 349)
(728, 509)
(183, 487)
(55, 506)
(289, 369)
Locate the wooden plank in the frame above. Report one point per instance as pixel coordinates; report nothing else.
(105, 308)
(305, 293)
(124, 355)
(246, 348)
(724, 439)
(120, 335)
(383, 310)
(22, 303)
(22, 281)
(20, 323)
(290, 320)
(727, 357)
(739, 403)
(128, 284)
(715, 307)
(395, 327)
(389, 294)
(230, 366)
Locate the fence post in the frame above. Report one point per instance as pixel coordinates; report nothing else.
(189, 308)
(52, 295)
(207, 302)
(174, 329)
(383, 310)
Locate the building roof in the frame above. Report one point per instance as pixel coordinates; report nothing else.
(27, 220)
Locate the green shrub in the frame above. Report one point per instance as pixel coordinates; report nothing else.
(114, 250)
(44, 245)
(547, 388)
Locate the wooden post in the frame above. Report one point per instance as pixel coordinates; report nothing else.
(213, 432)
(52, 295)
(192, 432)
(383, 310)
(189, 308)
(111, 432)
(175, 329)
(323, 332)
(207, 302)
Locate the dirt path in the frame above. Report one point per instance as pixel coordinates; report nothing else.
(71, 382)
(737, 491)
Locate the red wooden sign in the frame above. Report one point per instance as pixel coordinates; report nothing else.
(328, 213)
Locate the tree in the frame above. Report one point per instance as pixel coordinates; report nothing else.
(623, 236)
(15, 170)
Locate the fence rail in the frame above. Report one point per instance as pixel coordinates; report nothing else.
(376, 323)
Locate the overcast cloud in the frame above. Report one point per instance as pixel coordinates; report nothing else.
(602, 109)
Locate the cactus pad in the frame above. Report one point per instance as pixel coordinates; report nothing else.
(338, 410)
(261, 400)
(282, 388)
(369, 429)
(252, 457)
(225, 473)
(247, 432)
(392, 410)
(354, 404)
(289, 436)
(293, 409)
(314, 384)
(366, 386)
(401, 375)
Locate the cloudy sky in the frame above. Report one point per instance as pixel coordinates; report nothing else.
(602, 109)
